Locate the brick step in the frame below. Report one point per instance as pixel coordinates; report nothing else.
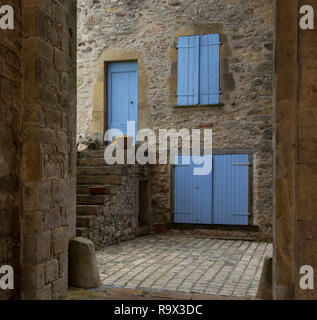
(107, 170)
(97, 180)
(89, 210)
(85, 221)
(108, 189)
(92, 200)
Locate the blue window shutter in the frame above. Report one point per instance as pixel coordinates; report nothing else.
(209, 69)
(188, 71)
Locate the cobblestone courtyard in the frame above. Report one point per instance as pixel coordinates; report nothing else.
(185, 264)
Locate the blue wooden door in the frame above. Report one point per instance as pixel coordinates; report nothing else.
(222, 197)
(231, 189)
(192, 195)
(122, 95)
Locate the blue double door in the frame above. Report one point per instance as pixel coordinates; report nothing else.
(122, 102)
(221, 197)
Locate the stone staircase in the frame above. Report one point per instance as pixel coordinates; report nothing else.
(104, 212)
(93, 172)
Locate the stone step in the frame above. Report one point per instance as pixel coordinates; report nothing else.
(89, 210)
(97, 180)
(92, 154)
(108, 189)
(85, 221)
(92, 200)
(107, 170)
(93, 162)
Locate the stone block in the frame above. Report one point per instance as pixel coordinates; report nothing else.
(44, 246)
(265, 289)
(52, 218)
(33, 278)
(83, 265)
(60, 240)
(59, 289)
(63, 264)
(51, 271)
(44, 197)
(44, 293)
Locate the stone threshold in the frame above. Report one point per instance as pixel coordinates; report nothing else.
(251, 228)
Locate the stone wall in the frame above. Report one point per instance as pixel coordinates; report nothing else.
(147, 31)
(38, 146)
(295, 168)
(10, 145)
(49, 148)
(118, 218)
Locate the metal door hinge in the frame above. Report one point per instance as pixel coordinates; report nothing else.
(242, 165)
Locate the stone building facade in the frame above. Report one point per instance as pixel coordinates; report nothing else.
(147, 31)
(38, 146)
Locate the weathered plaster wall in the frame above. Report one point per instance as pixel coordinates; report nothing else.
(10, 145)
(38, 146)
(150, 28)
(295, 218)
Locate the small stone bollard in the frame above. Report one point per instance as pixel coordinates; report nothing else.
(265, 289)
(83, 264)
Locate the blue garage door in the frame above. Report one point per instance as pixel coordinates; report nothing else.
(231, 189)
(222, 197)
(193, 195)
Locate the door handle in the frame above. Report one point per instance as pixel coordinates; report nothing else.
(131, 102)
(197, 187)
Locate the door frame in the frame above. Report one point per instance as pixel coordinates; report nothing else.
(105, 100)
(216, 151)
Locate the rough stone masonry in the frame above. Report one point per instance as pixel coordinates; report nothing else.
(147, 31)
(38, 146)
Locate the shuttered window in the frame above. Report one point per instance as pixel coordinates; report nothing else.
(198, 70)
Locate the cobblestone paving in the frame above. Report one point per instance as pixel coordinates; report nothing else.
(185, 264)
